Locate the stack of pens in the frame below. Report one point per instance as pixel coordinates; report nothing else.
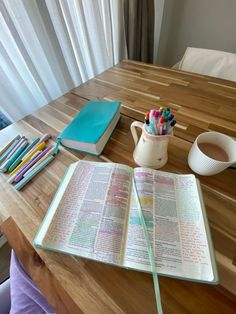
(23, 160)
(159, 122)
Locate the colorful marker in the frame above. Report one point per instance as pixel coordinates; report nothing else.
(44, 138)
(5, 166)
(19, 159)
(171, 126)
(30, 164)
(28, 156)
(49, 152)
(36, 170)
(160, 125)
(9, 144)
(8, 150)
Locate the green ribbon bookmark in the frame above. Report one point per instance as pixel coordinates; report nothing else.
(150, 252)
(57, 146)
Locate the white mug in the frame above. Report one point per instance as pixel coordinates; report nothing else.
(204, 164)
(150, 150)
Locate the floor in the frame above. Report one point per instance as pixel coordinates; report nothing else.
(5, 252)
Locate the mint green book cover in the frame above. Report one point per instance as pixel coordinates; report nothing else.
(91, 128)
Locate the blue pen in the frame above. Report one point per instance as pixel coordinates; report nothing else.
(170, 118)
(171, 127)
(153, 129)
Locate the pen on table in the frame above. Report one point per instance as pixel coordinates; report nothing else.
(171, 127)
(50, 152)
(9, 144)
(5, 166)
(32, 162)
(24, 160)
(19, 158)
(36, 170)
(7, 152)
(12, 178)
(44, 138)
(36, 154)
(22, 140)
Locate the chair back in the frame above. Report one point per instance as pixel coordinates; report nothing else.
(209, 62)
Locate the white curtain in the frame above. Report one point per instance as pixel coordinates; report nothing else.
(48, 47)
(159, 6)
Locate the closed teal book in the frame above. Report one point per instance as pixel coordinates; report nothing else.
(92, 127)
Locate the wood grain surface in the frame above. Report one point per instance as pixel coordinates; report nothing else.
(74, 285)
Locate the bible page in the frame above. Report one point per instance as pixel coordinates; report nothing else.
(172, 211)
(91, 218)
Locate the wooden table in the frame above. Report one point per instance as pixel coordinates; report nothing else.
(74, 285)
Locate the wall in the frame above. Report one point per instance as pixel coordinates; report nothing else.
(196, 23)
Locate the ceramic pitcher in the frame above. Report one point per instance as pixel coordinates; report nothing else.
(150, 150)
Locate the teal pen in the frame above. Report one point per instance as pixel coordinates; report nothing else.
(7, 164)
(16, 147)
(152, 128)
(33, 173)
(7, 152)
(19, 159)
(147, 128)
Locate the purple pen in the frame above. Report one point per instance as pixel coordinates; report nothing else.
(44, 138)
(28, 166)
(170, 118)
(164, 128)
(12, 178)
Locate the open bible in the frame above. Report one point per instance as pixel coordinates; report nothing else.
(94, 215)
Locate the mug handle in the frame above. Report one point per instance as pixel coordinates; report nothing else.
(134, 125)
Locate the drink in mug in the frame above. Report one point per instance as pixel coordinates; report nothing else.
(211, 153)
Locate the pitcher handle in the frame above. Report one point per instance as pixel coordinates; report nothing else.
(134, 125)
